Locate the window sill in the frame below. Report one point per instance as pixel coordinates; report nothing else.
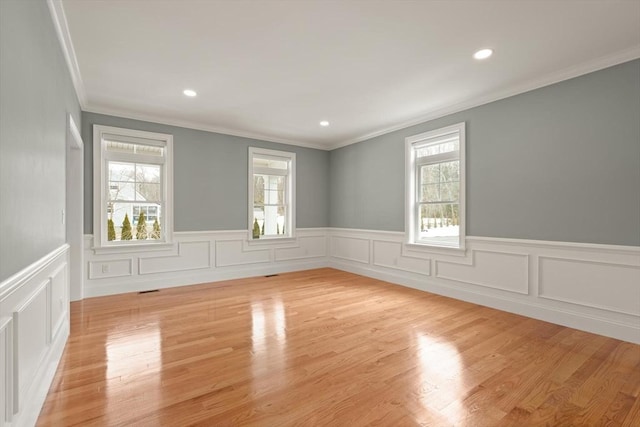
(433, 248)
(133, 248)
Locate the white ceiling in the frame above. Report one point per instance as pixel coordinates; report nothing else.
(274, 69)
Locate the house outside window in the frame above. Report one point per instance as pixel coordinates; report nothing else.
(132, 181)
(435, 188)
(271, 194)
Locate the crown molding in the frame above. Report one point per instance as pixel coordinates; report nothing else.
(64, 37)
(126, 114)
(547, 80)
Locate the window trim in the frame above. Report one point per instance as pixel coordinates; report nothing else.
(100, 176)
(411, 225)
(291, 196)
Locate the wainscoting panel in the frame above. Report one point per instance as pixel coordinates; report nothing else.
(30, 341)
(595, 288)
(350, 248)
(34, 326)
(232, 253)
(200, 257)
(499, 270)
(309, 247)
(109, 268)
(592, 284)
(590, 287)
(6, 371)
(191, 256)
(389, 255)
(59, 301)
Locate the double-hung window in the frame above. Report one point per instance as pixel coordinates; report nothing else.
(435, 187)
(271, 194)
(132, 187)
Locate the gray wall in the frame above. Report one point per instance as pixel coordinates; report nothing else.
(36, 93)
(558, 163)
(210, 177)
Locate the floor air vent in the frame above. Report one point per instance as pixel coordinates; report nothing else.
(271, 275)
(146, 292)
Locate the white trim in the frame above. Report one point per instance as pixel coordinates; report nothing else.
(128, 114)
(74, 133)
(28, 385)
(547, 80)
(62, 31)
(99, 189)
(290, 192)
(202, 257)
(500, 273)
(74, 205)
(568, 245)
(410, 188)
(66, 44)
(508, 274)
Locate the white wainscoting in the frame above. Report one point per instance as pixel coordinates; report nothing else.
(199, 257)
(34, 326)
(595, 288)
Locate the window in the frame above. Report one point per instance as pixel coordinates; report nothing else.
(435, 183)
(271, 194)
(132, 174)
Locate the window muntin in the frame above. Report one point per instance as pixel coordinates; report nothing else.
(271, 194)
(132, 176)
(435, 187)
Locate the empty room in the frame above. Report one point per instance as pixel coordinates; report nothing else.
(319, 213)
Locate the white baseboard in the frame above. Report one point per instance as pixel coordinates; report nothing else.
(34, 326)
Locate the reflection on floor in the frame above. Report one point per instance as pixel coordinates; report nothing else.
(326, 347)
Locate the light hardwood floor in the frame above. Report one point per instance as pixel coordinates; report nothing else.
(326, 347)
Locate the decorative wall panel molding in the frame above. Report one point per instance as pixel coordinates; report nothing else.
(34, 326)
(592, 284)
(200, 257)
(112, 268)
(499, 270)
(389, 255)
(350, 248)
(585, 286)
(233, 252)
(590, 287)
(6, 371)
(191, 256)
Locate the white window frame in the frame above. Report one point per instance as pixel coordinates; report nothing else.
(290, 192)
(101, 244)
(412, 239)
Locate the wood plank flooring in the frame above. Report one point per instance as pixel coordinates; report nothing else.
(326, 347)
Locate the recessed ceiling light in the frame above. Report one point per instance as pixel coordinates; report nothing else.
(483, 53)
(189, 92)
(324, 123)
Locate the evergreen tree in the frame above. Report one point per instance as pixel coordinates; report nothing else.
(256, 229)
(277, 228)
(155, 234)
(282, 228)
(111, 230)
(141, 229)
(262, 231)
(126, 228)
